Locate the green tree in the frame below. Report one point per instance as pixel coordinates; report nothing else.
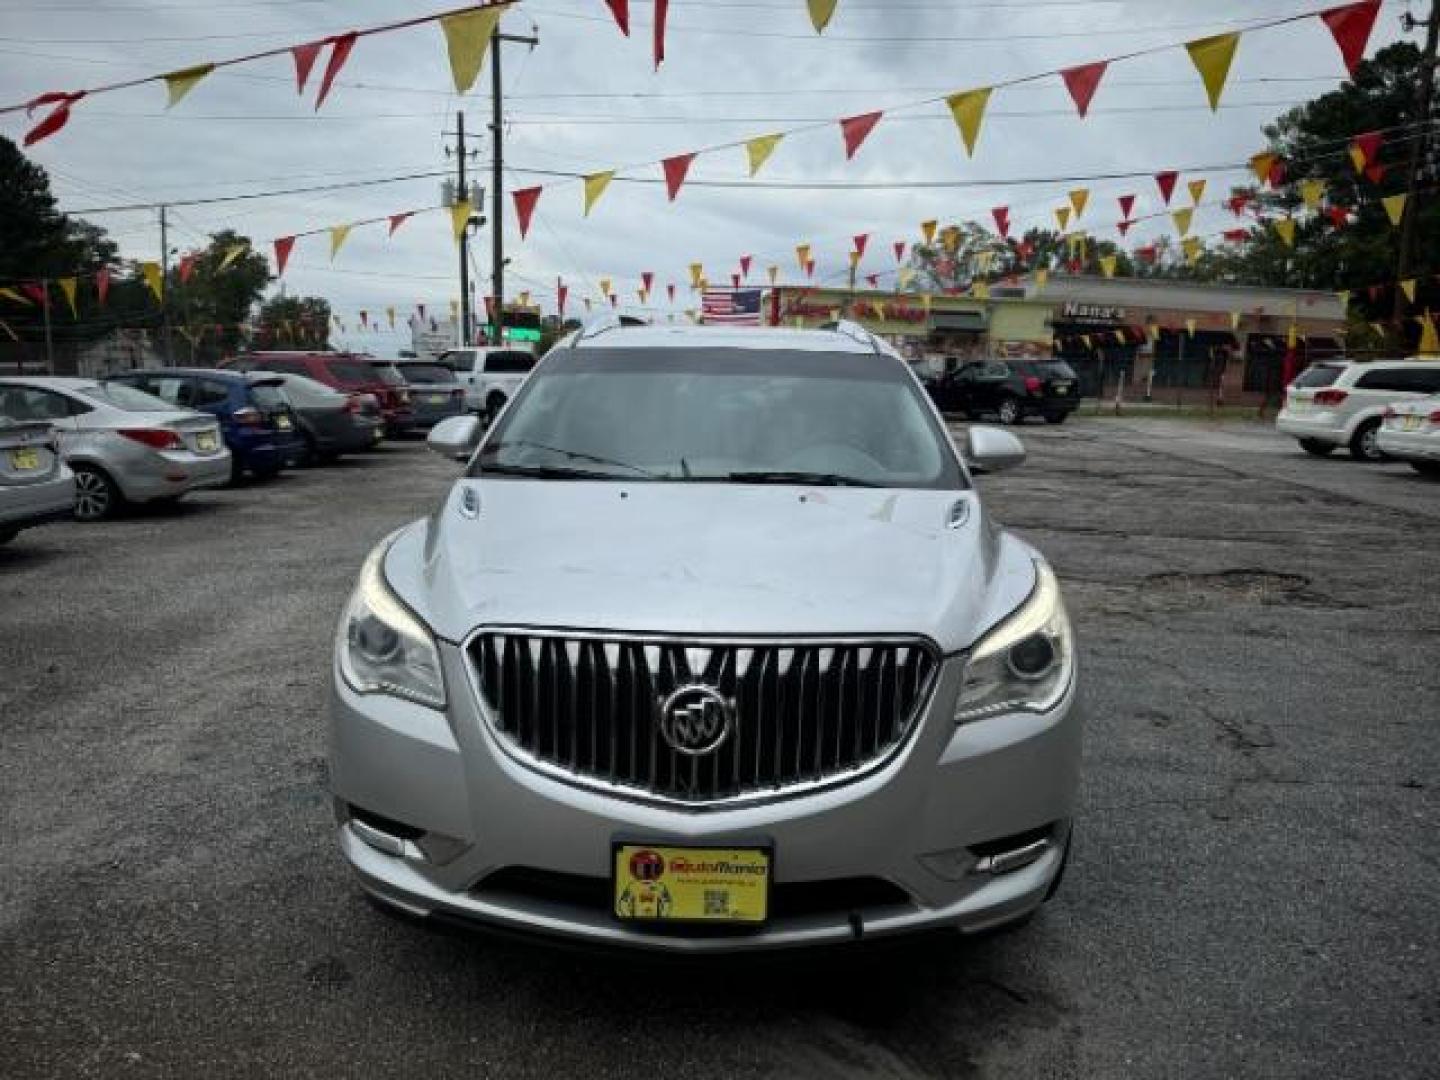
(36, 240)
(212, 297)
(295, 322)
(968, 252)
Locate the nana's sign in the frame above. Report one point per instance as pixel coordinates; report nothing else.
(1074, 311)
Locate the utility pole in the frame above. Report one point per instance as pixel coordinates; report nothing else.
(497, 179)
(462, 192)
(1424, 99)
(165, 286)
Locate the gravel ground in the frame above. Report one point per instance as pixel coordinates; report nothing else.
(1252, 892)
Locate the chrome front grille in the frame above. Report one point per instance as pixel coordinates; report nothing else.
(801, 711)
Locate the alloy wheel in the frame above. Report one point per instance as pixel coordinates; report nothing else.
(92, 495)
(1370, 444)
(1009, 412)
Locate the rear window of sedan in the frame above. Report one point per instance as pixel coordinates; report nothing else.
(1319, 375)
(427, 373)
(125, 397)
(509, 362)
(269, 395)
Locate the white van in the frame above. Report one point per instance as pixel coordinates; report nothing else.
(490, 374)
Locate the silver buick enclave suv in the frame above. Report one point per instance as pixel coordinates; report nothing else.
(713, 647)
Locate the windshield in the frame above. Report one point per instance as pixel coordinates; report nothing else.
(509, 362)
(737, 415)
(1319, 375)
(427, 373)
(389, 374)
(125, 397)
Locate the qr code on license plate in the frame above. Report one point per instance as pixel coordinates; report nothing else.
(717, 902)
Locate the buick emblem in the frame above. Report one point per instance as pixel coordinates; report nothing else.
(695, 719)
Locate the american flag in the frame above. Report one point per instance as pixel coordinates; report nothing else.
(731, 307)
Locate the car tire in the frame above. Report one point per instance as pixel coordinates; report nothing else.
(310, 455)
(6, 535)
(1056, 417)
(1426, 468)
(96, 496)
(1365, 445)
(493, 404)
(1316, 447)
(1009, 412)
(267, 473)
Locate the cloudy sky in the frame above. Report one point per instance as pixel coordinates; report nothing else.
(586, 99)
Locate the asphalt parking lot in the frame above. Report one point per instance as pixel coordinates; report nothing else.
(1252, 894)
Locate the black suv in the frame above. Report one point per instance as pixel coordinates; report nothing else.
(1010, 389)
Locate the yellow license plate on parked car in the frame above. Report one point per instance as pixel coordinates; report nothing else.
(1411, 422)
(655, 883)
(438, 399)
(282, 423)
(205, 440)
(24, 460)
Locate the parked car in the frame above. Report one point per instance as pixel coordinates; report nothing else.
(435, 393)
(719, 616)
(346, 372)
(490, 374)
(332, 422)
(36, 485)
(1010, 390)
(256, 419)
(1342, 403)
(124, 446)
(1411, 433)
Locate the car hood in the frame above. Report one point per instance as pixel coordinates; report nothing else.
(710, 559)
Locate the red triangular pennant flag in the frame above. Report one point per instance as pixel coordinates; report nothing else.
(1339, 216)
(1082, 81)
(283, 246)
(899, 251)
(305, 57)
(1277, 175)
(1146, 253)
(873, 280)
(525, 200)
(670, 291)
(744, 266)
(1375, 173)
(855, 129)
(621, 10)
(1238, 202)
(1124, 226)
(1166, 180)
(1001, 214)
(1369, 145)
(396, 220)
(102, 284)
(339, 53)
(37, 292)
(1351, 26)
(662, 9)
(1127, 205)
(187, 267)
(1236, 236)
(675, 169)
(735, 281)
(860, 241)
(56, 119)
(646, 280)
(562, 293)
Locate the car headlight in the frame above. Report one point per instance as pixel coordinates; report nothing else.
(383, 648)
(1025, 664)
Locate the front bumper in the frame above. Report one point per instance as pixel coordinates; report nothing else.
(473, 810)
(1409, 445)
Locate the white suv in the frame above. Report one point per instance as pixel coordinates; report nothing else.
(491, 375)
(1335, 404)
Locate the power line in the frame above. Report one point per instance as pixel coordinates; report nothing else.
(262, 194)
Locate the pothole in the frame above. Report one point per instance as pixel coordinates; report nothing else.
(1246, 586)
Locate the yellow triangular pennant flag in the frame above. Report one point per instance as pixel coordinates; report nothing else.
(1212, 56)
(180, 83)
(1395, 207)
(821, 12)
(1285, 229)
(1357, 158)
(1077, 244)
(459, 219)
(1062, 217)
(1107, 265)
(11, 294)
(927, 231)
(233, 252)
(1078, 199)
(154, 278)
(879, 309)
(1193, 248)
(926, 299)
(1154, 331)
(904, 276)
(1408, 288)
(525, 299)
(758, 150)
(1292, 336)
(1261, 165)
(1197, 191)
(1429, 339)
(980, 290)
(67, 286)
(337, 238)
(1042, 277)
(1235, 320)
(854, 259)
(1086, 339)
(1120, 337)
(605, 284)
(968, 109)
(1344, 297)
(802, 255)
(643, 295)
(1183, 219)
(390, 314)
(595, 185)
(983, 261)
(1312, 191)
(697, 271)
(1190, 327)
(467, 37)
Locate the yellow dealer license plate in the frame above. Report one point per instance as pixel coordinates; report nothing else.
(282, 423)
(655, 883)
(24, 460)
(205, 440)
(1412, 422)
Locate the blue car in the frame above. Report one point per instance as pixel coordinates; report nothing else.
(256, 419)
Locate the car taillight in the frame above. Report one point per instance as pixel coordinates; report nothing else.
(249, 416)
(155, 438)
(352, 403)
(1435, 417)
(1330, 398)
(1032, 384)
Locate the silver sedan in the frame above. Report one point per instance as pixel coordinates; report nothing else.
(35, 485)
(123, 445)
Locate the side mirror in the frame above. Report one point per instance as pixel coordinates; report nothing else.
(457, 437)
(989, 449)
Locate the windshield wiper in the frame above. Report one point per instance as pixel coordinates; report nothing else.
(572, 455)
(778, 476)
(544, 472)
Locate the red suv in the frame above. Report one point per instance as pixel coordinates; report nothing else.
(352, 373)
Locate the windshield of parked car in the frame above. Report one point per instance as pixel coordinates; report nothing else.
(427, 373)
(1044, 369)
(509, 362)
(726, 415)
(1319, 375)
(125, 397)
